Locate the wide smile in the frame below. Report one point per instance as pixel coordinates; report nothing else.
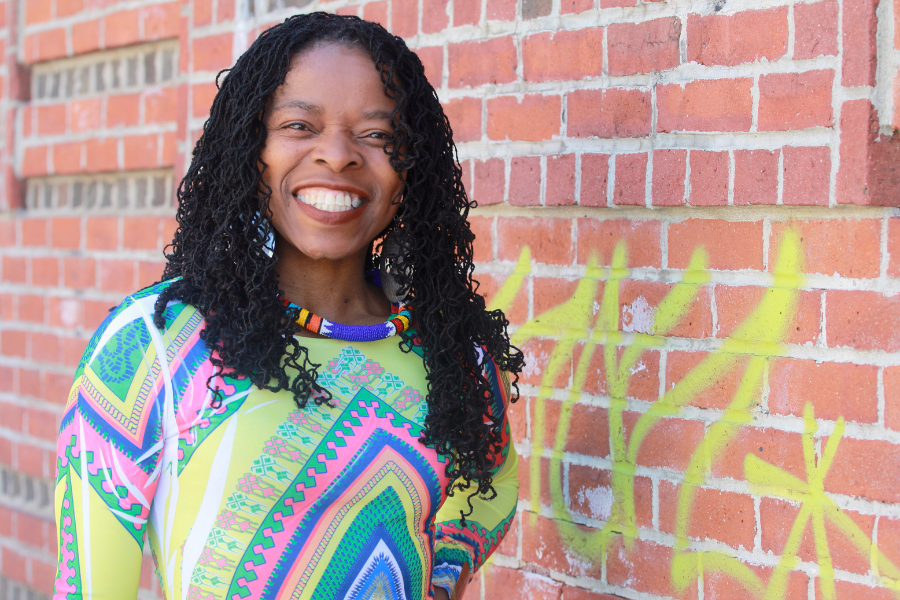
(329, 200)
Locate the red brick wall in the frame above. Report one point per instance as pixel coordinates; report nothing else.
(688, 210)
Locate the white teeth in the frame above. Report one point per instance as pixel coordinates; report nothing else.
(329, 200)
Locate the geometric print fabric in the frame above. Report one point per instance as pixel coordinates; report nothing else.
(256, 498)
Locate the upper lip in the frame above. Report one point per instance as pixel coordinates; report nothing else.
(338, 187)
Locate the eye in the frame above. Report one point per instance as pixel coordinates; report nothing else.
(379, 135)
(298, 126)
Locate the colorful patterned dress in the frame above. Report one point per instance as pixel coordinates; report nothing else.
(257, 498)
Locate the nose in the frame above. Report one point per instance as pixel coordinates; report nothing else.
(337, 151)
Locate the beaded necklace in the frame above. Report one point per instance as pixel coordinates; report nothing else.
(398, 322)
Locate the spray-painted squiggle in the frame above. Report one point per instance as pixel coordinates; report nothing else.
(759, 337)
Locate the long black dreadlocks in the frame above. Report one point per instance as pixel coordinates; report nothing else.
(219, 250)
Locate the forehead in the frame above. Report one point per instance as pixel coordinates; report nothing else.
(333, 75)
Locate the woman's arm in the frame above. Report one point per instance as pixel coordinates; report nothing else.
(108, 457)
(457, 547)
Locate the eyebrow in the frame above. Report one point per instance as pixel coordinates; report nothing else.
(372, 115)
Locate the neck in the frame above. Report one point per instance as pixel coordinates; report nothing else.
(333, 289)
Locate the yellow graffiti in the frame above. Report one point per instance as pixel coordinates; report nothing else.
(758, 338)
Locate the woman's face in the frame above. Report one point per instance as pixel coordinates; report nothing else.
(332, 184)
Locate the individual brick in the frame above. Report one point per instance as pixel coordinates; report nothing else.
(45, 45)
(644, 47)
(838, 247)
(669, 444)
(631, 179)
(609, 113)
(729, 245)
(588, 430)
(563, 55)
(489, 181)
(643, 382)
(140, 151)
(594, 172)
(45, 271)
(213, 52)
(34, 161)
(862, 320)
(140, 233)
(501, 10)
(543, 544)
(160, 105)
(893, 247)
(705, 105)
(433, 60)
(575, 6)
(483, 245)
(592, 495)
(550, 240)
(203, 12)
(636, 565)
(726, 517)
(434, 15)
(855, 473)
(404, 18)
(123, 28)
(669, 174)
(709, 178)
(86, 114)
(734, 304)
(641, 239)
(38, 11)
(65, 232)
(858, 125)
(34, 232)
(101, 155)
(638, 301)
(783, 449)
(534, 9)
(161, 21)
(789, 101)
(376, 12)
(51, 120)
(117, 276)
(466, 12)
(499, 580)
(807, 174)
(755, 177)
(479, 62)
(533, 118)
(560, 185)
(743, 37)
(815, 29)
(31, 309)
(720, 584)
(79, 273)
(859, 56)
(713, 390)
(525, 181)
(86, 36)
(465, 118)
(834, 389)
(123, 110)
(892, 398)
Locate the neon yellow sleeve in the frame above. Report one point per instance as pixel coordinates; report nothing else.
(108, 459)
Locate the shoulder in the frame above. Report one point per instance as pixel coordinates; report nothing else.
(128, 333)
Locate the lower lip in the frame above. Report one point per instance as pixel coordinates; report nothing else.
(330, 218)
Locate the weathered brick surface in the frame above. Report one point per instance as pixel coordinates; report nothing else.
(708, 195)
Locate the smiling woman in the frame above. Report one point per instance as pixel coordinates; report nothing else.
(323, 419)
